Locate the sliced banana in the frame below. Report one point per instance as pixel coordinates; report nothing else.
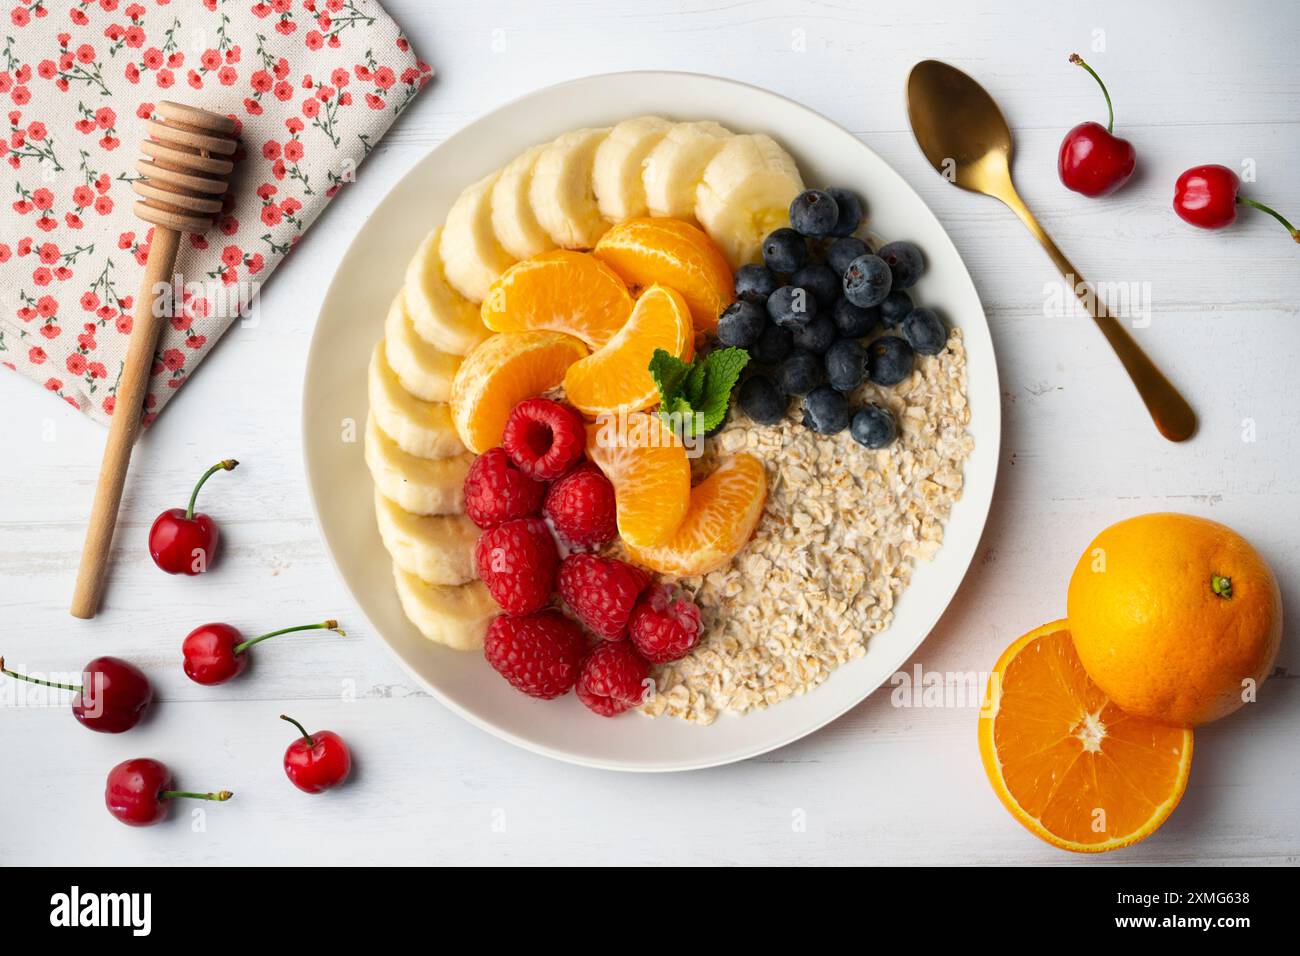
(672, 171)
(456, 615)
(471, 256)
(746, 193)
(422, 486)
(442, 316)
(424, 371)
(561, 194)
(438, 549)
(513, 220)
(616, 170)
(420, 428)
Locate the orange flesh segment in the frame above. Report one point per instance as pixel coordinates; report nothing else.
(647, 465)
(559, 291)
(1071, 766)
(617, 377)
(502, 371)
(723, 514)
(674, 253)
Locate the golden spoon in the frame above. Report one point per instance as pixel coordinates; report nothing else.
(963, 134)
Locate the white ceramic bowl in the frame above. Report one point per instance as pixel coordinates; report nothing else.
(351, 320)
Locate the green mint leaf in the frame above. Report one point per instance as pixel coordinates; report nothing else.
(722, 369)
(669, 374)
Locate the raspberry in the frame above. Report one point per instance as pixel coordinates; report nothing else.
(497, 491)
(517, 562)
(581, 507)
(664, 625)
(539, 654)
(543, 438)
(601, 592)
(613, 679)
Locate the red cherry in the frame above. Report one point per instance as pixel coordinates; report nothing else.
(214, 653)
(139, 792)
(113, 695)
(1206, 196)
(1093, 160)
(316, 762)
(182, 542)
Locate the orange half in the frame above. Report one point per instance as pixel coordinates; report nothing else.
(674, 253)
(647, 465)
(617, 377)
(559, 291)
(724, 511)
(502, 371)
(1072, 767)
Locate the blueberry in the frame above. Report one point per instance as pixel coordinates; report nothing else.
(873, 427)
(852, 322)
(846, 365)
(785, 251)
(819, 279)
(800, 373)
(841, 253)
(905, 262)
(816, 336)
(889, 360)
(814, 213)
(791, 306)
(895, 308)
(754, 281)
(867, 281)
(924, 332)
(773, 345)
(741, 324)
(850, 207)
(825, 411)
(762, 401)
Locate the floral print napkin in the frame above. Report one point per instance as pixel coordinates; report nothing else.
(313, 85)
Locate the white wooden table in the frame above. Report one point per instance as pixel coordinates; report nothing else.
(882, 784)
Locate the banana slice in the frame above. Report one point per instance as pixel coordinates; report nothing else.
(420, 428)
(513, 221)
(471, 256)
(423, 370)
(422, 486)
(438, 549)
(561, 194)
(745, 194)
(441, 315)
(672, 171)
(616, 170)
(456, 615)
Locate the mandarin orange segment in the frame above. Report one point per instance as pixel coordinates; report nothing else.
(676, 254)
(723, 513)
(559, 291)
(502, 371)
(1072, 767)
(646, 463)
(616, 378)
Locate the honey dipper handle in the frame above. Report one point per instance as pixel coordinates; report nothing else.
(125, 425)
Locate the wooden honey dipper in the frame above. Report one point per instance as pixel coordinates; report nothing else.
(184, 177)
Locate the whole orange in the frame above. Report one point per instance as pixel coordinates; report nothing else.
(1176, 618)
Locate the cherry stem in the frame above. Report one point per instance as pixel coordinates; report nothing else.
(1295, 233)
(227, 465)
(301, 729)
(222, 795)
(327, 626)
(36, 680)
(1110, 108)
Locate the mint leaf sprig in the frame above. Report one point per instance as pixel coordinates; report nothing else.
(700, 388)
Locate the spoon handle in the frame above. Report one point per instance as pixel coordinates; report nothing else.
(1168, 409)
